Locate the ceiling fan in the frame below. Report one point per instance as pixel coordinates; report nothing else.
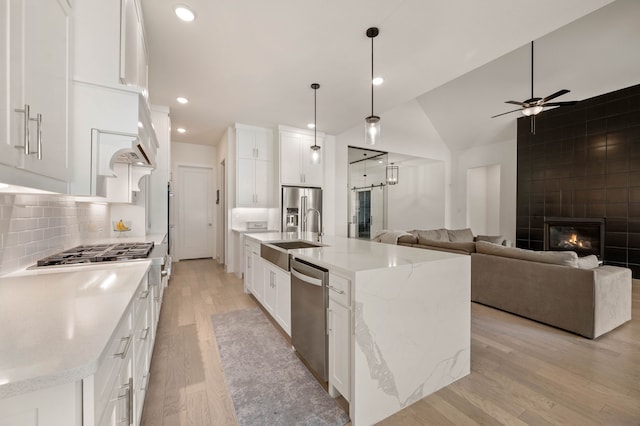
(534, 106)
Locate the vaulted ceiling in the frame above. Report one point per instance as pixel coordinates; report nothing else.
(253, 61)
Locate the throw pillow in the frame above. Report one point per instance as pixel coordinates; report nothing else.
(433, 235)
(495, 239)
(588, 262)
(408, 239)
(460, 235)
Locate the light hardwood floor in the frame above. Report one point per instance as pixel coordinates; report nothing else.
(522, 372)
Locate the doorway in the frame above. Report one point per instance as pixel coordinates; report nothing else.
(483, 200)
(195, 215)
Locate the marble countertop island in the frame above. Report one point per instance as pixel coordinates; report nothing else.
(410, 319)
(56, 322)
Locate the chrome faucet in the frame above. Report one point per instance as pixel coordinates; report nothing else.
(306, 217)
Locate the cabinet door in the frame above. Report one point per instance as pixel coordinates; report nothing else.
(290, 172)
(55, 406)
(41, 51)
(339, 371)
(245, 143)
(283, 302)
(8, 154)
(258, 277)
(263, 183)
(248, 270)
(263, 147)
(312, 173)
(270, 285)
(245, 182)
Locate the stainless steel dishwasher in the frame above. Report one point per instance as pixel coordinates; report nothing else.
(309, 300)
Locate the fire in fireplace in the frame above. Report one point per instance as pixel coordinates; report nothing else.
(585, 236)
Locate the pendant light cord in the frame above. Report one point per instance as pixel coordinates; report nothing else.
(372, 76)
(315, 120)
(532, 69)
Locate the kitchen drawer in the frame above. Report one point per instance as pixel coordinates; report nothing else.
(254, 246)
(339, 289)
(117, 351)
(142, 298)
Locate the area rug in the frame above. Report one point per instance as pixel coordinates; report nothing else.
(269, 385)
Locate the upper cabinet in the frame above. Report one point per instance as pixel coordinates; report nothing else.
(254, 166)
(111, 114)
(35, 88)
(296, 165)
(134, 61)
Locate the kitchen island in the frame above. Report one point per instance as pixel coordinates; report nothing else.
(407, 321)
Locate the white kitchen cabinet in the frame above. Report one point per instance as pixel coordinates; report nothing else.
(56, 406)
(270, 288)
(277, 295)
(35, 80)
(248, 268)
(258, 288)
(339, 329)
(283, 300)
(133, 49)
(296, 166)
(158, 202)
(254, 167)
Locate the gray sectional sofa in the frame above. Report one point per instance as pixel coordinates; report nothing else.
(556, 288)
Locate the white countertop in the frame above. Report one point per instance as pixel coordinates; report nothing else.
(56, 322)
(352, 255)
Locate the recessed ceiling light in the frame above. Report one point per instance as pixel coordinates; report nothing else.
(181, 130)
(311, 126)
(379, 161)
(377, 81)
(182, 100)
(185, 13)
(140, 125)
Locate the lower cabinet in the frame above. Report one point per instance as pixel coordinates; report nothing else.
(339, 330)
(257, 279)
(56, 406)
(114, 394)
(277, 295)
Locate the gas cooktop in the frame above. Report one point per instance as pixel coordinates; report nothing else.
(98, 253)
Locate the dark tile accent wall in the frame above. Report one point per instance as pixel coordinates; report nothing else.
(584, 161)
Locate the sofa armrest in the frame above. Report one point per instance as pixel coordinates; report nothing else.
(612, 298)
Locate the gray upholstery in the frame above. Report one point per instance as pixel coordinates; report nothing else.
(589, 302)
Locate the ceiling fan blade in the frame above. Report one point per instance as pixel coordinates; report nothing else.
(565, 103)
(514, 103)
(508, 112)
(555, 95)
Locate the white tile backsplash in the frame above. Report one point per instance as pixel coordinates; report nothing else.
(36, 226)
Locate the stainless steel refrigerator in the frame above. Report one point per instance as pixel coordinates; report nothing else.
(298, 202)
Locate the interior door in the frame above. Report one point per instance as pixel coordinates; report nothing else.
(364, 214)
(195, 196)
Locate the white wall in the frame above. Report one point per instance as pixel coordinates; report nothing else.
(185, 154)
(418, 200)
(404, 130)
(483, 200)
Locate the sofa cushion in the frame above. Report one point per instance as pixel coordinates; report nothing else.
(433, 235)
(408, 239)
(588, 262)
(460, 235)
(565, 258)
(495, 239)
(459, 247)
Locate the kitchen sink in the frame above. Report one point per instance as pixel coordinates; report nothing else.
(292, 245)
(278, 252)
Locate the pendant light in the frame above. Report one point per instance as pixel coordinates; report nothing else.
(392, 174)
(315, 148)
(372, 123)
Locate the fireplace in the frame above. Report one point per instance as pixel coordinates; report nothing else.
(585, 236)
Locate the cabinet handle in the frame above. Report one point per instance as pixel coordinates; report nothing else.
(123, 354)
(38, 121)
(144, 294)
(337, 290)
(146, 334)
(126, 397)
(329, 311)
(26, 137)
(146, 382)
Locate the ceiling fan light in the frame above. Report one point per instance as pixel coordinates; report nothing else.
(532, 110)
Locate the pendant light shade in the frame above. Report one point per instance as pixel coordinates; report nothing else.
(315, 148)
(392, 174)
(372, 123)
